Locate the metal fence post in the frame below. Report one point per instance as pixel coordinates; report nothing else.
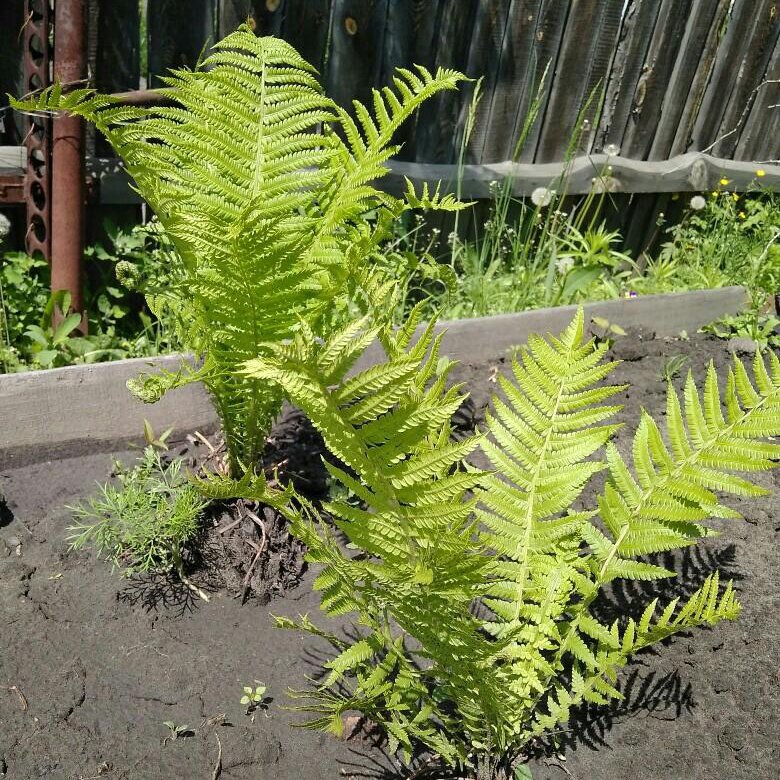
(68, 191)
(37, 181)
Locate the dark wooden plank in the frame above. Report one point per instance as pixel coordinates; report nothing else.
(410, 38)
(268, 16)
(514, 89)
(441, 120)
(759, 138)
(766, 32)
(354, 59)
(117, 27)
(701, 77)
(725, 80)
(657, 70)
(704, 21)
(550, 24)
(487, 41)
(179, 31)
(306, 26)
(631, 52)
(231, 14)
(11, 21)
(587, 50)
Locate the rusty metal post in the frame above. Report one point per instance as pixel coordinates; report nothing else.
(37, 180)
(68, 192)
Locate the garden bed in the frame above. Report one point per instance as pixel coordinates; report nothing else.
(91, 665)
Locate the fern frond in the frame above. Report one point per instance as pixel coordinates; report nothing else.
(389, 427)
(541, 440)
(263, 201)
(664, 504)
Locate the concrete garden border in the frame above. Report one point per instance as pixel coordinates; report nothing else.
(46, 414)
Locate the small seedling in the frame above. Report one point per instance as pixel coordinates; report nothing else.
(153, 440)
(175, 731)
(672, 366)
(603, 330)
(254, 698)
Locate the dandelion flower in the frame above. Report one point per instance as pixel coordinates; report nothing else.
(734, 196)
(698, 203)
(741, 215)
(760, 173)
(723, 182)
(541, 196)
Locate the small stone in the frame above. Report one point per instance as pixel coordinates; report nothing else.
(733, 736)
(742, 344)
(632, 736)
(13, 545)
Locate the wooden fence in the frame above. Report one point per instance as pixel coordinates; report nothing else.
(670, 75)
(669, 79)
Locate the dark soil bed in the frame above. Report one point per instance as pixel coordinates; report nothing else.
(91, 664)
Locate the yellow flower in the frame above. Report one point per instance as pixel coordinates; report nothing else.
(723, 182)
(734, 196)
(741, 215)
(760, 172)
(715, 193)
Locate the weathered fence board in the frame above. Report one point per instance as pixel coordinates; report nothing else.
(307, 23)
(733, 74)
(700, 62)
(650, 90)
(702, 17)
(762, 120)
(581, 67)
(354, 59)
(11, 21)
(179, 32)
(515, 82)
(441, 121)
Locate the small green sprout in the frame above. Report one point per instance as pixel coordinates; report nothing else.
(604, 330)
(176, 731)
(254, 698)
(672, 366)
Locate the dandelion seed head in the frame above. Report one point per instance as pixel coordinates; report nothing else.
(5, 226)
(612, 150)
(542, 196)
(564, 264)
(698, 203)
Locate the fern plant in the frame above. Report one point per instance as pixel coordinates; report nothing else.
(265, 204)
(473, 592)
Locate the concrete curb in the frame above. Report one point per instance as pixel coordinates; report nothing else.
(45, 414)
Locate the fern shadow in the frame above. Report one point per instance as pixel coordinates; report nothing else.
(157, 592)
(692, 565)
(6, 515)
(651, 695)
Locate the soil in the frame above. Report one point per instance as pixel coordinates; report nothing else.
(91, 664)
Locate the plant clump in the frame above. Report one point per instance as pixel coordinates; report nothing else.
(473, 592)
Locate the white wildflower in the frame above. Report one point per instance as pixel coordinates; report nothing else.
(698, 202)
(564, 264)
(5, 226)
(541, 196)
